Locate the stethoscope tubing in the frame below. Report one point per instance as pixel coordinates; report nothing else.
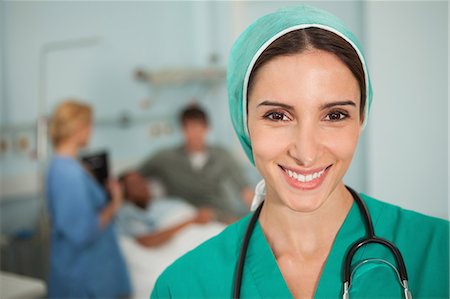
(370, 238)
(243, 252)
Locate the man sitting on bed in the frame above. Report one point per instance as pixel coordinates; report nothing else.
(153, 222)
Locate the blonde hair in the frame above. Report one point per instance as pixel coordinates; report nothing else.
(68, 118)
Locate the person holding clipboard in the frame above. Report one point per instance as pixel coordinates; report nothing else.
(85, 259)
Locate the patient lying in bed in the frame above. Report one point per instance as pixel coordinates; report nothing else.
(146, 221)
(156, 231)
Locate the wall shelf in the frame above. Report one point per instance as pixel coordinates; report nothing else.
(170, 77)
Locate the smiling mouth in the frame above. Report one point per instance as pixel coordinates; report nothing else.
(304, 178)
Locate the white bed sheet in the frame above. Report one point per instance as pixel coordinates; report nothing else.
(145, 264)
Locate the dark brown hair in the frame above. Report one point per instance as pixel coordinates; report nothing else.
(297, 41)
(193, 112)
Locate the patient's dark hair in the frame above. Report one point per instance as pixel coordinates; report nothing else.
(193, 112)
(301, 40)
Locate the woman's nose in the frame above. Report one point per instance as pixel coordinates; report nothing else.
(305, 144)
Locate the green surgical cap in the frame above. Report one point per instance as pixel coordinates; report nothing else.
(257, 37)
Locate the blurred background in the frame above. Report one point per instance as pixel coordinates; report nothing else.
(139, 63)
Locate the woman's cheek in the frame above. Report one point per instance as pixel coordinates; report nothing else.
(343, 144)
(268, 143)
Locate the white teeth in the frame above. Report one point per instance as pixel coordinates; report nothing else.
(303, 178)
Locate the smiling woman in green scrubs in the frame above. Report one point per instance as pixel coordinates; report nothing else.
(299, 95)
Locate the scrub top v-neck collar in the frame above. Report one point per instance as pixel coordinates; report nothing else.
(263, 268)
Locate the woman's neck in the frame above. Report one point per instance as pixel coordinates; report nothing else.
(305, 234)
(67, 149)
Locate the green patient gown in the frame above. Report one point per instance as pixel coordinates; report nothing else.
(208, 271)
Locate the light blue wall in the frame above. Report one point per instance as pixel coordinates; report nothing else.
(2, 69)
(127, 35)
(408, 129)
(160, 35)
(150, 35)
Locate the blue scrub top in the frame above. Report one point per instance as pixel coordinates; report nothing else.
(85, 260)
(208, 271)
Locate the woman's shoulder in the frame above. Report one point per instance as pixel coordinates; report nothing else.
(423, 242)
(384, 211)
(402, 225)
(61, 167)
(215, 257)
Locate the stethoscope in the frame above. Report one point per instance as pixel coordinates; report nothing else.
(347, 275)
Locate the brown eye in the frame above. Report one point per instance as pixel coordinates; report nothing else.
(276, 116)
(336, 116)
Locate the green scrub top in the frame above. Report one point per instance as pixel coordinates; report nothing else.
(208, 271)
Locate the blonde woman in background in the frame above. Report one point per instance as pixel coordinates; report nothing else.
(85, 259)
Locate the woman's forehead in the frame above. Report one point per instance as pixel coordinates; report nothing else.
(317, 62)
(318, 76)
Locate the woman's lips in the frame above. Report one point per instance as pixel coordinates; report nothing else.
(305, 180)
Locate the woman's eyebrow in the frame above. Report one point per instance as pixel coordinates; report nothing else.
(276, 104)
(341, 103)
(322, 107)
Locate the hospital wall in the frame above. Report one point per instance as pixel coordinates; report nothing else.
(2, 70)
(91, 51)
(408, 129)
(402, 157)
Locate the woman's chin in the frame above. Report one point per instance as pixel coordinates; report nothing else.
(303, 205)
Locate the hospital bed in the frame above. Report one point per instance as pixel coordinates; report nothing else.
(145, 264)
